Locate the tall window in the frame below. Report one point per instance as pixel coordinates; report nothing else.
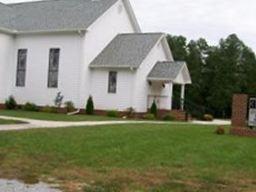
(21, 68)
(112, 81)
(53, 68)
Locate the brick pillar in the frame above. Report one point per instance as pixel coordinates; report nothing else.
(239, 110)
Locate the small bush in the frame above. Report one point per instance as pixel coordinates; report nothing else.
(130, 112)
(153, 109)
(220, 131)
(149, 117)
(208, 117)
(30, 107)
(112, 113)
(89, 106)
(169, 118)
(11, 103)
(49, 109)
(69, 105)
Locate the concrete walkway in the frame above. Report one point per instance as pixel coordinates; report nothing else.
(214, 122)
(16, 186)
(33, 124)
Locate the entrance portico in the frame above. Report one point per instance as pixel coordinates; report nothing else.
(167, 74)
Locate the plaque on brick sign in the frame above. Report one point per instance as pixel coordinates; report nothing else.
(252, 112)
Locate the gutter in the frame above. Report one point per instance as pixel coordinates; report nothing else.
(81, 32)
(8, 31)
(74, 113)
(113, 66)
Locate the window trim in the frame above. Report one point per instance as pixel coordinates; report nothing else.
(109, 80)
(21, 70)
(50, 71)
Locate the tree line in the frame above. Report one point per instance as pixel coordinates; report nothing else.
(217, 71)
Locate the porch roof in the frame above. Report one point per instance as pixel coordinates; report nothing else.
(170, 71)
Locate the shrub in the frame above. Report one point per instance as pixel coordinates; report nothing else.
(149, 117)
(208, 117)
(130, 112)
(69, 105)
(49, 109)
(169, 118)
(58, 100)
(89, 106)
(220, 131)
(112, 113)
(30, 107)
(11, 103)
(153, 109)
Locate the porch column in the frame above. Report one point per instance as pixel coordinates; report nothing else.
(182, 97)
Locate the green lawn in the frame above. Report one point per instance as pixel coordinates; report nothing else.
(53, 116)
(155, 158)
(6, 122)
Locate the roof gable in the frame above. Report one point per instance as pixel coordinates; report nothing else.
(54, 15)
(127, 50)
(170, 71)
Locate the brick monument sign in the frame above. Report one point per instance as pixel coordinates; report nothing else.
(243, 109)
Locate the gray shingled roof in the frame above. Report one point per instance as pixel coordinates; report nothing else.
(6, 15)
(166, 70)
(127, 50)
(52, 15)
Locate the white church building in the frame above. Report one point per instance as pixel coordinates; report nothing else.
(82, 48)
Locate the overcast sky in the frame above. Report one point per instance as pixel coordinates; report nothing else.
(211, 19)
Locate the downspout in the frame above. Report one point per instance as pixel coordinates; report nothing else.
(74, 113)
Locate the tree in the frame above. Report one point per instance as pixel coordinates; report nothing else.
(196, 58)
(153, 109)
(217, 72)
(11, 103)
(90, 106)
(178, 45)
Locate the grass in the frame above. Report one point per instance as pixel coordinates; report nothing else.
(7, 122)
(53, 116)
(155, 158)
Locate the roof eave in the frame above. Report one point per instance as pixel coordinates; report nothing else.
(79, 31)
(113, 66)
(159, 79)
(8, 31)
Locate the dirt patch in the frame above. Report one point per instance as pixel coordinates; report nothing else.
(81, 179)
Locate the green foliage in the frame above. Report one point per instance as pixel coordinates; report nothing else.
(130, 112)
(217, 73)
(11, 103)
(30, 107)
(169, 117)
(89, 106)
(153, 108)
(49, 109)
(112, 113)
(208, 117)
(69, 105)
(178, 46)
(149, 117)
